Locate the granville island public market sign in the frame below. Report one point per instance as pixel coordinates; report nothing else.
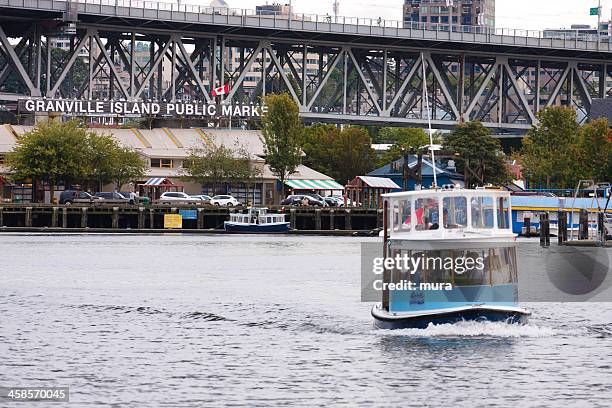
(103, 108)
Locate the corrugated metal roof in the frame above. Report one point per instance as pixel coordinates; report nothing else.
(378, 182)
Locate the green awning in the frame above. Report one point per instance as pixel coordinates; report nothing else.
(314, 185)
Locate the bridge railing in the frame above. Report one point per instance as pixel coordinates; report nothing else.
(336, 23)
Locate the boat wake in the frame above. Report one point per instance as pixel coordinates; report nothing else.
(474, 329)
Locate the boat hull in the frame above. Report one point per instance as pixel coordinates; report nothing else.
(385, 320)
(280, 228)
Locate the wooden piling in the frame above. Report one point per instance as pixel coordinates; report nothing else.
(347, 220)
(200, 218)
(332, 213)
(527, 225)
(562, 227)
(84, 217)
(64, 217)
(544, 230)
(1, 217)
(583, 228)
(115, 218)
(379, 218)
(292, 218)
(318, 219)
(54, 217)
(28, 216)
(601, 229)
(151, 218)
(141, 218)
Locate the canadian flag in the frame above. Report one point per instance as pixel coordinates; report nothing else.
(222, 90)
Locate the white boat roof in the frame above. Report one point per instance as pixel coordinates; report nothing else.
(448, 192)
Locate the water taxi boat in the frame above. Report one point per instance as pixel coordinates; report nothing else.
(257, 220)
(467, 251)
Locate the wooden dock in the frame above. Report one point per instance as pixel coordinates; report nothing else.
(150, 219)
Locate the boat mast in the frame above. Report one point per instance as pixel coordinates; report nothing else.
(431, 148)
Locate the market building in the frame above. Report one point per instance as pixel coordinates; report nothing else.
(165, 151)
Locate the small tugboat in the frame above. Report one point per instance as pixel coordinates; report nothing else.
(466, 265)
(257, 221)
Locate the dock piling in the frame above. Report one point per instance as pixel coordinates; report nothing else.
(200, 218)
(347, 220)
(318, 219)
(115, 217)
(151, 218)
(562, 227)
(84, 217)
(544, 230)
(141, 218)
(292, 218)
(527, 224)
(601, 229)
(64, 217)
(1, 217)
(332, 213)
(583, 229)
(28, 216)
(54, 217)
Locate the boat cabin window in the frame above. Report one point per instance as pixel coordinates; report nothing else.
(482, 212)
(427, 214)
(503, 221)
(454, 212)
(405, 215)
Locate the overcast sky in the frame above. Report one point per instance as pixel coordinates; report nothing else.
(524, 14)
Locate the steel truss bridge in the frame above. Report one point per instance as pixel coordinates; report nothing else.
(337, 71)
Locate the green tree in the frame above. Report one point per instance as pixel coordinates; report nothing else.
(596, 151)
(101, 152)
(341, 154)
(51, 152)
(219, 165)
(406, 141)
(128, 166)
(551, 151)
(480, 156)
(282, 135)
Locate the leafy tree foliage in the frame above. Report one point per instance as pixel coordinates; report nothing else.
(558, 152)
(282, 134)
(341, 154)
(406, 141)
(56, 151)
(480, 156)
(219, 165)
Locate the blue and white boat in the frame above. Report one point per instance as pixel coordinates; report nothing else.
(468, 250)
(257, 221)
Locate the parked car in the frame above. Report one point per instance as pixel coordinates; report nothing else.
(225, 201)
(333, 201)
(113, 197)
(134, 198)
(74, 196)
(203, 197)
(298, 199)
(177, 197)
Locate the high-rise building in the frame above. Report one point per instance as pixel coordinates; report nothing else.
(480, 13)
(273, 9)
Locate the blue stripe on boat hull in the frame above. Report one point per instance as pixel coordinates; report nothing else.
(421, 322)
(257, 228)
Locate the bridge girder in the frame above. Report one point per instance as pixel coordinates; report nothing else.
(331, 82)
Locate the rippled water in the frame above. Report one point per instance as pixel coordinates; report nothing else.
(194, 321)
